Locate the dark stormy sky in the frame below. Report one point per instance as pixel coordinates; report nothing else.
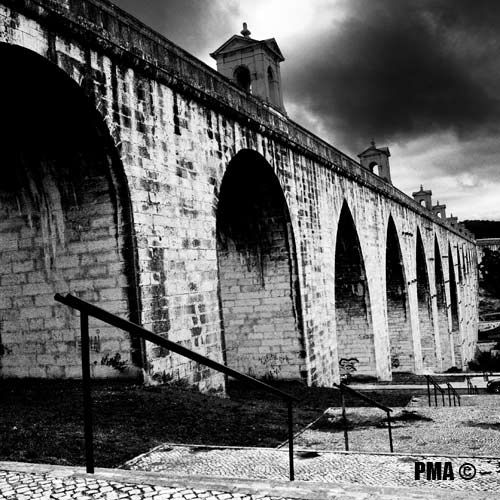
(419, 76)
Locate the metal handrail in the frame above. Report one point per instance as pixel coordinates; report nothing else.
(471, 388)
(437, 387)
(345, 388)
(86, 309)
(451, 390)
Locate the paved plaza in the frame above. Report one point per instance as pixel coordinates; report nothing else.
(465, 430)
(459, 436)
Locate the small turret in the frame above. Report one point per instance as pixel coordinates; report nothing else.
(253, 65)
(377, 161)
(423, 197)
(439, 210)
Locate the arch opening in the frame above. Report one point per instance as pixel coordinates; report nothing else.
(425, 308)
(374, 168)
(445, 336)
(460, 268)
(243, 78)
(258, 273)
(455, 320)
(398, 317)
(65, 224)
(355, 339)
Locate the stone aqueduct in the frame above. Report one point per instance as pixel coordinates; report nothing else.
(137, 178)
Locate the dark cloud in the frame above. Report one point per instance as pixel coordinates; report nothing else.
(197, 26)
(397, 69)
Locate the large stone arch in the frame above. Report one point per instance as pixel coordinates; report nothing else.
(257, 261)
(354, 323)
(65, 223)
(425, 316)
(445, 336)
(398, 307)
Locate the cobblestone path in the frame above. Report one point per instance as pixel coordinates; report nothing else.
(357, 468)
(44, 486)
(465, 430)
(20, 481)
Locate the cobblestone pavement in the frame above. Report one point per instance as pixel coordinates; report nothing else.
(16, 485)
(464, 430)
(357, 468)
(22, 481)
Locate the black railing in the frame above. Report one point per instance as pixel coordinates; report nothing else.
(437, 388)
(86, 309)
(345, 388)
(471, 388)
(454, 393)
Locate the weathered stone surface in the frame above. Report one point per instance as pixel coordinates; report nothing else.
(135, 223)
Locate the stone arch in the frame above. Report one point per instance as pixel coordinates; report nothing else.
(66, 224)
(454, 310)
(425, 307)
(464, 263)
(459, 266)
(374, 168)
(243, 78)
(442, 310)
(257, 259)
(355, 338)
(398, 309)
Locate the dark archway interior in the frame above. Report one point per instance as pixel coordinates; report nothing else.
(398, 317)
(459, 266)
(445, 337)
(243, 78)
(455, 322)
(258, 273)
(62, 223)
(425, 309)
(352, 300)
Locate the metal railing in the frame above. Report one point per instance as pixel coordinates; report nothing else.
(471, 388)
(437, 388)
(343, 389)
(86, 309)
(456, 396)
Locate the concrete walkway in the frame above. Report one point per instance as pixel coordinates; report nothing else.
(20, 481)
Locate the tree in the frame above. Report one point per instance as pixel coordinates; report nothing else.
(490, 271)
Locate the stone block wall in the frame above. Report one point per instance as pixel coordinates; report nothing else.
(176, 127)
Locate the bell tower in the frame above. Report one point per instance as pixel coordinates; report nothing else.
(253, 65)
(376, 160)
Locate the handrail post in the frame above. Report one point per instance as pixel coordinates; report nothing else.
(428, 390)
(87, 401)
(435, 395)
(390, 431)
(449, 396)
(290, 440)
(442, 396)
(344, 418)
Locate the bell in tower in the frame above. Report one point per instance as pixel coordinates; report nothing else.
(253, 65)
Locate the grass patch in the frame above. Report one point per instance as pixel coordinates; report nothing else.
(41, 420)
